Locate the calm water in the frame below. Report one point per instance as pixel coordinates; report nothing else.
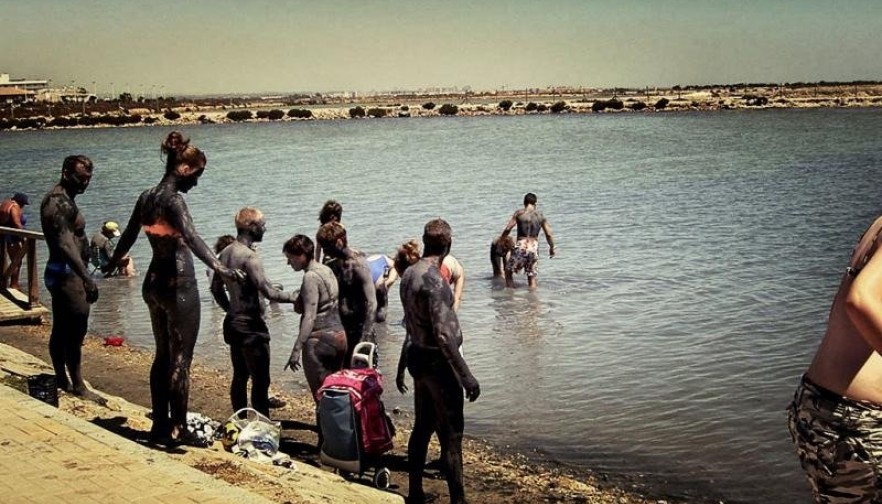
(698, 254)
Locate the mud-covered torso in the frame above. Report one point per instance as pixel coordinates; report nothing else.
(244, 296)
(427, 299)
(60, 215)
(352, 301)
(161, 216)
(529, 221)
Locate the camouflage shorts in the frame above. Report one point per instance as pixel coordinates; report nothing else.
(525, 256)
(839, 442)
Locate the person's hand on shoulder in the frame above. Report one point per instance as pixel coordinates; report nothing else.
(235, 275)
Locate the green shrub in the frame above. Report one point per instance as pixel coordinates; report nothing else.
(615, 104)
(448, 109)
(559, 107)
(505, 105)
(171, 115)
(662, 103)
(300, 113)
(428, 105)
(356, 112)
(276, 114)
(150, 120)
(541, 107)
(531, 107)
(598, 106)
(376, 112)
(638, 105)
(405, 108)
(239, 115)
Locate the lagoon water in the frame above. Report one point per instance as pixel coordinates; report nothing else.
(698, 255)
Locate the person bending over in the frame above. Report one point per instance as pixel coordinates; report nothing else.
(169, 288)
(67, 276)
(438, 370)
(245, 328)
(384, 276)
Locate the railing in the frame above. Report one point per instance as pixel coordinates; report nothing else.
(30, 239)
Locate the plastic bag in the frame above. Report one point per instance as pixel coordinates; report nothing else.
(254, 437)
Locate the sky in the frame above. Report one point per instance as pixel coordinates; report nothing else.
(191, 47)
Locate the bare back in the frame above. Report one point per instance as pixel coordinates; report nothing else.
(529, 222)
(846, 362)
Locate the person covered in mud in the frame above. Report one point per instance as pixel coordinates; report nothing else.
(439, 371)
(321, 344)
(835, 417)
(529, 221)
(358, 298)
(169, 287)
(245, 328)
(66, 276)
(332, 211)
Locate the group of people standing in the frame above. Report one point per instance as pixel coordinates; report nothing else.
(342, 295)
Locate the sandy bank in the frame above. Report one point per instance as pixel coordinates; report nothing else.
(491, 477)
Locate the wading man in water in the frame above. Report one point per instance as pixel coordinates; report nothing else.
(358, 297)
(245, 328)
(525, 255)
(170, 285)
(835, 418)
(67, 277)
(438, 369)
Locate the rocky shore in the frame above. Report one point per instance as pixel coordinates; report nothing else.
(175, 112)
(492, 477)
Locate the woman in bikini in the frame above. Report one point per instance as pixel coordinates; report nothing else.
(835, 418)
(170, 284)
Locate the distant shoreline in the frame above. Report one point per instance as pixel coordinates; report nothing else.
(172, 113)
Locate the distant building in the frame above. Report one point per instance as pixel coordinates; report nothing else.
(15, 95)
(27, 85)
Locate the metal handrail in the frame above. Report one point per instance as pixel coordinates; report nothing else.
(30, 238)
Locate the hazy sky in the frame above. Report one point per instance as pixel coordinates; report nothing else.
(227, 46)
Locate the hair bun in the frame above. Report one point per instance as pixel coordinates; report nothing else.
(175, 142)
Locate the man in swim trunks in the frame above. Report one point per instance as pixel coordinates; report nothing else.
(245, 328)
(835, 418)
(66, 276)
(525, 255)
(438, 369)
(358, 298)
(12, 216)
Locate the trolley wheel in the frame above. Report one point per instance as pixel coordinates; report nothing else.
(382, 478)
(345, 474)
